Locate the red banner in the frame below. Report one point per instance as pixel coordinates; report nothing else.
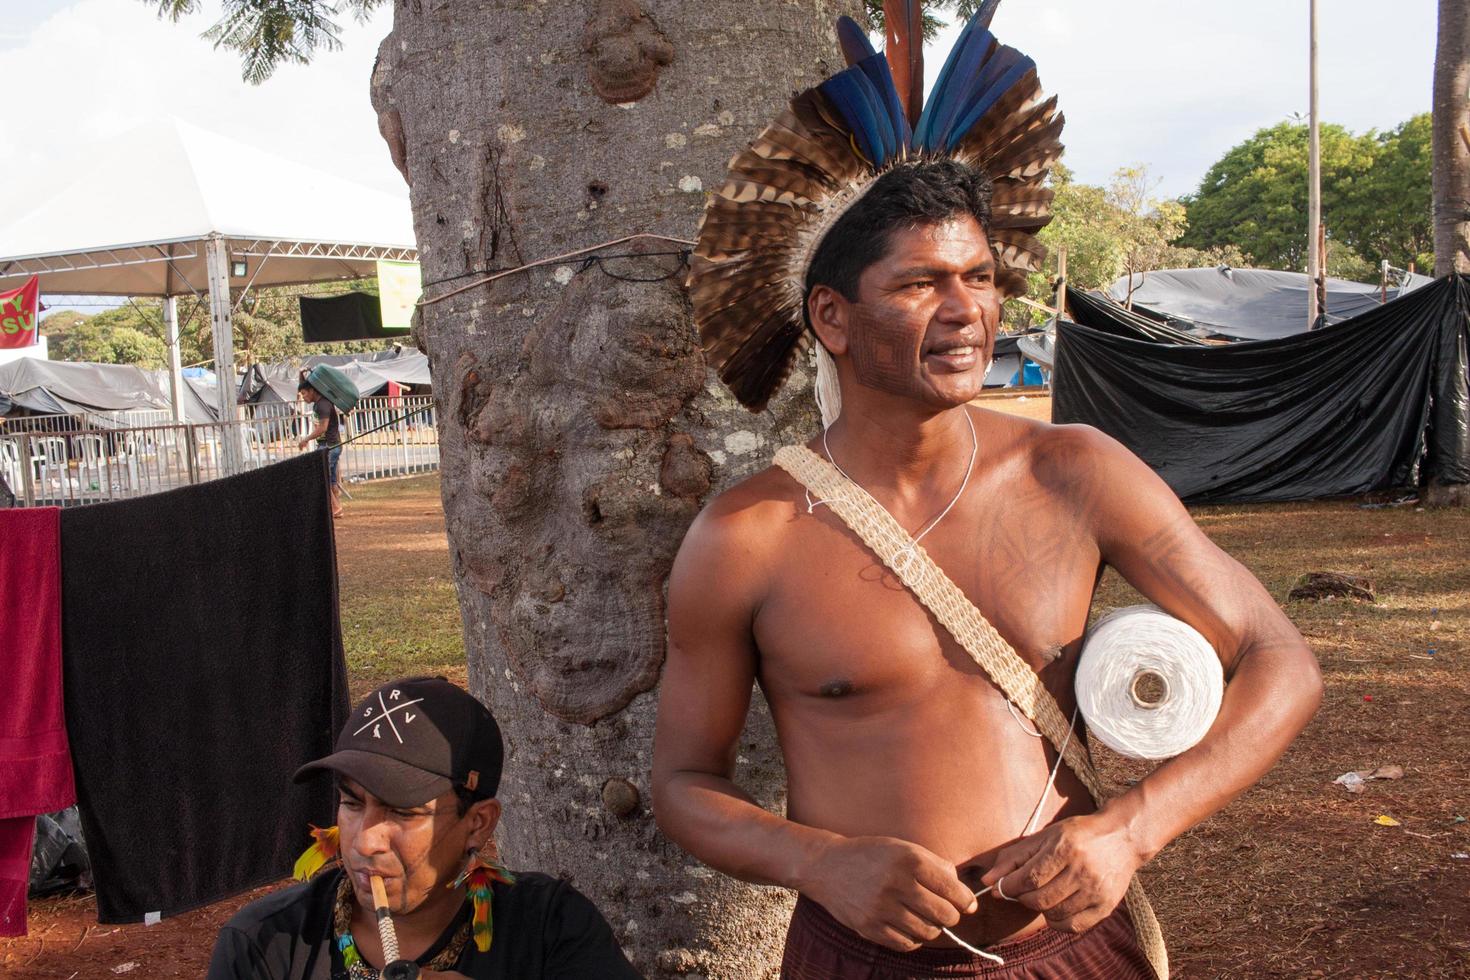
(20, 313)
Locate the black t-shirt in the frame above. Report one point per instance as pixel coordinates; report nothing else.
(326, 410)
(543, 928)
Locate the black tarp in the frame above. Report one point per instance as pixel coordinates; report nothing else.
(1101, 313)
(351, 316)
(1251, 304)
(1372, 403)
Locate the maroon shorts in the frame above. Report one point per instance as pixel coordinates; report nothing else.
(818, 947)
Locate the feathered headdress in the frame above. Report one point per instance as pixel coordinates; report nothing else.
(786, 191)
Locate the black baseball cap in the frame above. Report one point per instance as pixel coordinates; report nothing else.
(415, 739)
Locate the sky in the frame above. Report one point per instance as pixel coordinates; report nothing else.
(1164, 83)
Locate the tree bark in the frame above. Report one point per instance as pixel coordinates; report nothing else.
(1452, 139)
(580, 429)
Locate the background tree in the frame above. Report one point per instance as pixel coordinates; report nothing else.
(1452, 139)
(580, 430)
(1387, 213)
(1252, 196)
(110, 337)
(1109, 232)
(267, 326)
(1144, 225)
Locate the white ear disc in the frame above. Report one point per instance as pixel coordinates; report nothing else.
(1148, 685)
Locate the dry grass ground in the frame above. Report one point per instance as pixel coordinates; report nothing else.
(1292, 880)
(400, 613)
(1295, 879)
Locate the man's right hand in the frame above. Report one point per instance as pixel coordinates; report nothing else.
(888, 890)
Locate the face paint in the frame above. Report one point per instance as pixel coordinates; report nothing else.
(884, 344)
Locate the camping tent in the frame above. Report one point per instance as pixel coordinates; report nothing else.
(1375, 402)
(71, 388)
(371, 373)
(1250, 304)
(1101, 313)
(170, 210)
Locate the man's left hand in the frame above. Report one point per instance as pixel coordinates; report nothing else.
(1075, 872)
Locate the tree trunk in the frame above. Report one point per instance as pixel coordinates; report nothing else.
(580, 431)
(1452, 139)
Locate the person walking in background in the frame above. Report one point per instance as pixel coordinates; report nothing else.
(328, 435)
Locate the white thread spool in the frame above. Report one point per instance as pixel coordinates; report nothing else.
(1148, 685)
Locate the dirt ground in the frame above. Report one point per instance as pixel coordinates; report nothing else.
(1293, 880)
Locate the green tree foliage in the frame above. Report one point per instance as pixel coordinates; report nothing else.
(1375, 198)
(267, 326)
(1389, 215)
(1109, 232)
(934, 13)
(268, 33)
(112, 337)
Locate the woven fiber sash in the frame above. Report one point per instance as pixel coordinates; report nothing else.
(887, 539)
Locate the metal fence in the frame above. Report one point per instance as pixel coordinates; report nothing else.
(65, 460)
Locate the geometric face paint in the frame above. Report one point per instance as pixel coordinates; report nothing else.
(884, 344)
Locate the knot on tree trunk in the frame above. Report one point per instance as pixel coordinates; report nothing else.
(686, 470)
(620, 797)
(625, 49)
(584, 415)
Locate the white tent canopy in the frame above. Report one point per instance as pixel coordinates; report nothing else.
(170, 210)
(134, 223)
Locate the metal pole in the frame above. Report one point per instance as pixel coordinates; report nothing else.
(1314, 182)
(1060, 302)
(217, 261)
(175, 362)
(27, 477)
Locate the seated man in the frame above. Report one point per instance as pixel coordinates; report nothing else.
(417, 767)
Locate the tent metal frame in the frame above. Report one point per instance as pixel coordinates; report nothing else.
(151, 252)
(216, 250)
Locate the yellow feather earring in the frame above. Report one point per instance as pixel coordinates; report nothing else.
(323, 850)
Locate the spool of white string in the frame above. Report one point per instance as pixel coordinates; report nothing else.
(1148, 685)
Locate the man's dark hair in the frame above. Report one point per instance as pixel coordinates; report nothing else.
(909, 195)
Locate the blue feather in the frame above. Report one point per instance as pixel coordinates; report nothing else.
(990, 93)
(986, 14)
(853, 41)
(954, 84)
(863, 109)
(880, 73)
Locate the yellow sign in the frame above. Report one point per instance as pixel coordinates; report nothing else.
(399, 286)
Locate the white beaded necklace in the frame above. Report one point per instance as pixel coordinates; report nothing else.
(901, 558)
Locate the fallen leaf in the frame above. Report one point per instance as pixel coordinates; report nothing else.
(1384, 820)
(1386, 772)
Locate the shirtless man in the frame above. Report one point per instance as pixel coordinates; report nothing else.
(910, 779)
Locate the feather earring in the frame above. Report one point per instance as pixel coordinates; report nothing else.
(828, 392)
(480, 871)
(318, 854)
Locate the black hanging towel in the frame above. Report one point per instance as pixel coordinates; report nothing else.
(351, 316)
(202, 660)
